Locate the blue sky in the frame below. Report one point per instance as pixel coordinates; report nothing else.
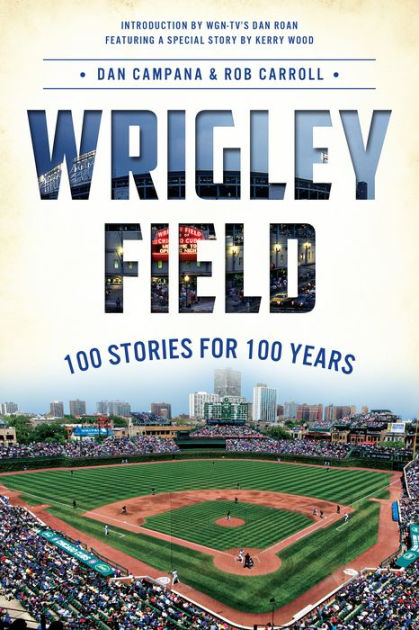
(166, 384)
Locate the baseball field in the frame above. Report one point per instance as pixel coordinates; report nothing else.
(194, 516)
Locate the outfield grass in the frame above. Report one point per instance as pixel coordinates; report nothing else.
(93, 487)
(304, 563)
(263, 526)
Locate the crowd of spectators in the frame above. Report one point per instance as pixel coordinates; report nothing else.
(309, 448)
(139, 418)
(409, 502)
(109, 447)
(239, 438)
(139, 445)
(267, 445)
(226, 431)
(381, 600)
(369, 420)
(48, 581)
(33, 449)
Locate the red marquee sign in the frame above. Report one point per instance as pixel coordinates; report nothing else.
(188, 239)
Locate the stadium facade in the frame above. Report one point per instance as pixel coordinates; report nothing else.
(81, 171)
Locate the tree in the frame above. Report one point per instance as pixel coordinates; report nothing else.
(279, 433)
(118, 421)
(49, 431)
(292, 423)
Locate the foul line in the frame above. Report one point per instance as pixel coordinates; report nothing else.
(376, 491)
(117, 533)
(343, 525)
(68, 505)
(110, 518)
(23, 493)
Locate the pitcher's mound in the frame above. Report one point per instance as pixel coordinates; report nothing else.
(233, 522)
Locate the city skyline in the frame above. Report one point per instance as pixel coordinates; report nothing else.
(179, 400)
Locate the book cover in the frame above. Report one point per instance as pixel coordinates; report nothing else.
(210, 208)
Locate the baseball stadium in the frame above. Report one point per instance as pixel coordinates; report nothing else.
(220, 527)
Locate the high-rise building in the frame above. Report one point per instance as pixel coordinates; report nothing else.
(9, 407)
(118, 408)
(197, 402)
(77, 407)
(309, 413)
(56, 409)
(227, 382)
(113, 408)
(164, 410)
(337, 412)
(364, 410)
(330, 412)
(290, 409)
(264, 403)
(102, 407)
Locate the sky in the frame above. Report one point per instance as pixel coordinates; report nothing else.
(164, 384)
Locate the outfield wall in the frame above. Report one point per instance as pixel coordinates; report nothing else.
(33, 463)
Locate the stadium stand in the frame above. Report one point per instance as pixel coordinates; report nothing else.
(90, 448)
(370, 420)
(409, 502)
(226, 431)
(381, 599)
(238, 439)
(290, 447)
(48, 581)
(139, 418)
